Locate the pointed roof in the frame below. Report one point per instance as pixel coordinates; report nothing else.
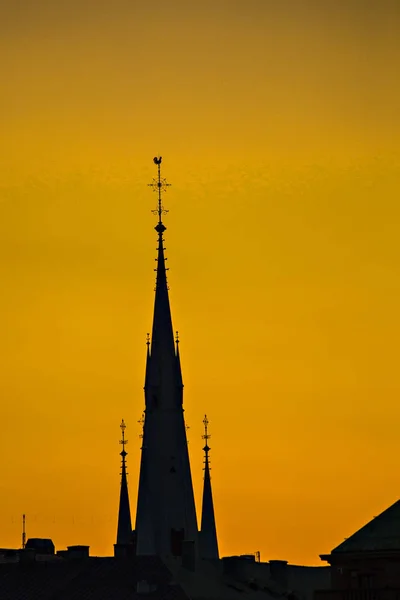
(208, 533)
(166, 512)
(162, 339)
(124, 531)
(161, 353)
(380, 534)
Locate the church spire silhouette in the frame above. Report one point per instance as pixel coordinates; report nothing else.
(166, 515)
(124, 531)
(208, 532)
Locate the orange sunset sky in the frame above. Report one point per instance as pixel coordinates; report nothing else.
(279, 127)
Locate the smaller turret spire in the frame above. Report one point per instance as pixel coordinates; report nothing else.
(208, 533)
(124, 532)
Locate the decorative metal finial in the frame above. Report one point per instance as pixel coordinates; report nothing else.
(206, 437)
(123, 442)
(176, 337)
(147, 339)
(159, 185)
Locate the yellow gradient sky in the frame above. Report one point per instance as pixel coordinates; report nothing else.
(279, 126)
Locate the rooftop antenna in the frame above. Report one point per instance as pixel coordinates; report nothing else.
(23, 533)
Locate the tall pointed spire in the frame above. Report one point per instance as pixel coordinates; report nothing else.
(166, 515)
(124, 532)
(208, 533)
(162, 334)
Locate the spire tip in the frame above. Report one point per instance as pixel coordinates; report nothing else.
(159, 185)
(123, 442)
(206, 437)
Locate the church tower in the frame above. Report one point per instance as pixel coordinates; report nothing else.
(208, 533)
(124, 543)
(166, 515)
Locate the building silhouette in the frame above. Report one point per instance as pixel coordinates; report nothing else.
(366, 566)
(166, 556)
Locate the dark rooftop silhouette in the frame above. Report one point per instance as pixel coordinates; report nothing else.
(91, 579)
(382, 533)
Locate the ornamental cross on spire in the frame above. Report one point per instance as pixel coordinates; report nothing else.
(159, 185)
